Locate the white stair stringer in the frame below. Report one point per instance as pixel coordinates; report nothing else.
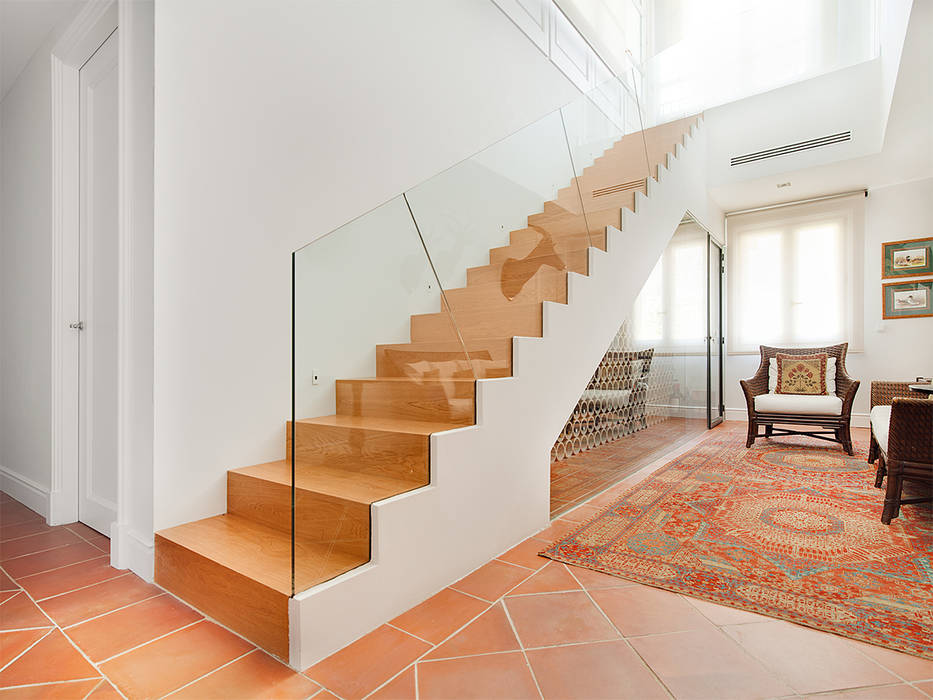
(490, 483)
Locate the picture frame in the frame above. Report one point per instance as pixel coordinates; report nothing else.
(907, 299)
(908, 258)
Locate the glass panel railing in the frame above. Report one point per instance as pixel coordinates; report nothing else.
(378, 366)
(649, 392)
(397, 313)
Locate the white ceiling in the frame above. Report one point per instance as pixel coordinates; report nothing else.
(24, 25)
(907, 153)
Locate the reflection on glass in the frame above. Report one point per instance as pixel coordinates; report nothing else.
(649, 392)
(378, 367)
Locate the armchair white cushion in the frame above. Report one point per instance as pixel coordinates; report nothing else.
(880, 418)
(808, 404)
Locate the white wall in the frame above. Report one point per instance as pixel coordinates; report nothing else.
(844, 100)
(26, 284)
(331, 109)
(895, 349)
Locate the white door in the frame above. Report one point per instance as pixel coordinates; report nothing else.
(98, 289)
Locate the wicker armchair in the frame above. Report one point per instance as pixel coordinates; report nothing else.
(825, 425)
(901, 442)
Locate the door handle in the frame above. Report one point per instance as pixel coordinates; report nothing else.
(78, 325)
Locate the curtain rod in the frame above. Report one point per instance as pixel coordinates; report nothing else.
(863, 191)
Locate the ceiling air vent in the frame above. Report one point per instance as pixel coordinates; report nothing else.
(792, 148)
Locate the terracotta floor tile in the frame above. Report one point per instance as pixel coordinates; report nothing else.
(6, 595)
(592, 580)
(490, 632)
(807, 660)
(76, 606)
(439, 616)
(525, 554)
(492, 580)
(51, 559)
(30, 527)
(400, 688)
(325, 695)
(19, 612)
(36, 543)
(68, 578)
(558, 618)
(83, 531)
(482, 677)
(368, 662)
(166, 664)
(889, 692)
(557, 530)
(12, 644)
(723, 614)
(638, 610)
(908, 667)
(52, 659)
(6, 583)
(256, 675)
(552, 578)
(593, 671)
(69, 690)
(707, 664)
(926, 687)
(126, 628)
(13, 512)
(104, 691)
(102, 543)
(581, 514)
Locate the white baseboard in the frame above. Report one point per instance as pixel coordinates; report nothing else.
(25, 490)
(859, 420)
(130, 550)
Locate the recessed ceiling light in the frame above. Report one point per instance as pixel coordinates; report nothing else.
(783, 184)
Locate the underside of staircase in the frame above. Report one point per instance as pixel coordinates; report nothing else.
(237, 567)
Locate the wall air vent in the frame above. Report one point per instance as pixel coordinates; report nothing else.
(621, 187)
(791, 148)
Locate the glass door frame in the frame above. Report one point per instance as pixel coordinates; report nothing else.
(711, 420)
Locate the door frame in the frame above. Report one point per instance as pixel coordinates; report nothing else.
(87, 32)
(131, 534)
(710, 421)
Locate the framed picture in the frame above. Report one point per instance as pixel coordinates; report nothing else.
(907, 258)
(907, 299)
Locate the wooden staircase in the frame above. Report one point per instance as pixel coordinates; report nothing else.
(237, 567)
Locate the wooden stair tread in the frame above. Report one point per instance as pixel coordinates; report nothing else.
(260, 553)
(417, 380)
(389, 425)
(361, 487)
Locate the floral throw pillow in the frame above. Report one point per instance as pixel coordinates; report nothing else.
(801, 374)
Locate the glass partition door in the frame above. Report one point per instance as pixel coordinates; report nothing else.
(715, 408)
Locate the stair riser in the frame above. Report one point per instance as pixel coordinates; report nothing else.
(559, 223)
(562, 246)
(511, 320)
(448, 402)
(412, 361)
(547, 284)
(518, 272)
(361, 450)
(247, 607)
(319, 518)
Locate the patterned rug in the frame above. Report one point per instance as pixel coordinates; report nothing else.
(789, 528)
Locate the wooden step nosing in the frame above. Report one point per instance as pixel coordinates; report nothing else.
(221, 563)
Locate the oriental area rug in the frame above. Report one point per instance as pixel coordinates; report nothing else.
(789, 528)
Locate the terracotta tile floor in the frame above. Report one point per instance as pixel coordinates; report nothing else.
(520, 626)
(576, 479)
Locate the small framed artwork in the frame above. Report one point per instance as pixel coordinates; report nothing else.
(907, 299)
(907, 258)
